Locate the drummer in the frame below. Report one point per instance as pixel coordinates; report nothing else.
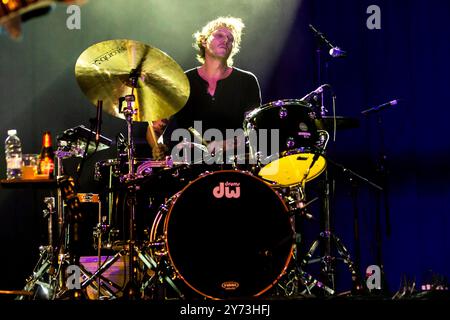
(220, 93)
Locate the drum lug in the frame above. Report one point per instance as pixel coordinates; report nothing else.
(290, 142)
(283, 113)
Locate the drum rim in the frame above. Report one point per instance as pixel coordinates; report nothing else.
(273, 184)
(273, 104)
(290, 152)
(117, 161)
(169, 213)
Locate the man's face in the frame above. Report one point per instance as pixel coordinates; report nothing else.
(220, 43)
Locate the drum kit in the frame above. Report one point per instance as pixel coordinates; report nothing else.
(220, 234)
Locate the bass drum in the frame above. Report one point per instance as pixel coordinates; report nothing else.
(227, 234)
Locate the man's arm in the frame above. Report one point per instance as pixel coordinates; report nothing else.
(154, 131)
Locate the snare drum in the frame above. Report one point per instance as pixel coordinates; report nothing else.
(227, 234)
(298, 159)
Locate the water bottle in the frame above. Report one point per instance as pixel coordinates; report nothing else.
(13, 153)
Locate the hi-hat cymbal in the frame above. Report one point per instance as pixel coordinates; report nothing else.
(104, 72)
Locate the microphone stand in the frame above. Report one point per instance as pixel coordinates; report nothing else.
(382, 196)
(326, 183)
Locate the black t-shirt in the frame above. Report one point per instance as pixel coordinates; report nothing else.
(233, 97)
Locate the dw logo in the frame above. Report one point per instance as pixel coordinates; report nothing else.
(225, 189)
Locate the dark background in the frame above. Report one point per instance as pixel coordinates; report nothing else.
(407, 59)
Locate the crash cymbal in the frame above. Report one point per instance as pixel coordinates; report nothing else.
(103, 72)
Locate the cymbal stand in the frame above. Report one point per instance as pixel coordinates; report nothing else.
(131, 288)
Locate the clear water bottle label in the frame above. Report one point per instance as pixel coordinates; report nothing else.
(14, 162)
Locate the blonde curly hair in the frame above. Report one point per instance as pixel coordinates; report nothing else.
(235, 25)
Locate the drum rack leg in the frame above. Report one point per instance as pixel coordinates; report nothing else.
(45, 274)
(99, 285)
(153, 283)
(298, 279)
(40, 270)
(159, 276)
(309, 282)
(328, 260)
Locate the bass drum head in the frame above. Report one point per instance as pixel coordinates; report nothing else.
(228, 235)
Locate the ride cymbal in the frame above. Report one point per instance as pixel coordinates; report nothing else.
(105, 71)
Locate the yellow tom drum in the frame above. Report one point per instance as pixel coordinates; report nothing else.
(294, 157)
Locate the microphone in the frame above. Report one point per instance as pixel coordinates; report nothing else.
(381, 106)
(98, 121)
(337, 52)
(319, 90)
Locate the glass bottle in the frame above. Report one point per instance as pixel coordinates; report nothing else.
(47, 156)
